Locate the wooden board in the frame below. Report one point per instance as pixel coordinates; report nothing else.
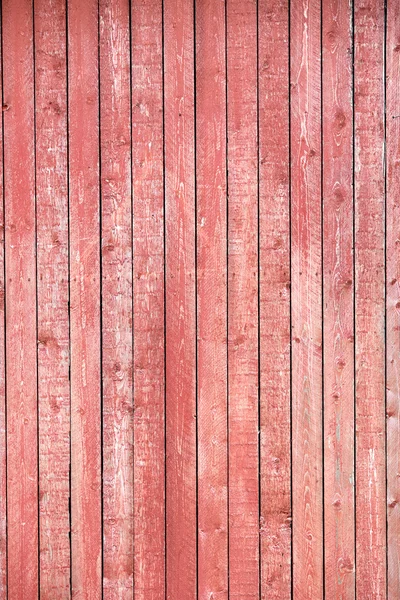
(306, 257)
(148, 253)
(211, 222)
(243, 392)
(3, 414)
(392, 300)
(20, 251)
(370, 299)
(338, 285)
(274, 244)
(85, 284)
(180, 307)
(53, 296)
(116, 294)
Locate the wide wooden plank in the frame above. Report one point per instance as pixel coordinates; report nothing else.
(20, 251)
(306, 251)
(83, 113)
(370, 298)
(148, 256)
(275, 500)
(243, 299)
(52, 290)
(338, 314)
(180, 299)
(212, 301)
(3, 430)
(116, 241)
(393, 298)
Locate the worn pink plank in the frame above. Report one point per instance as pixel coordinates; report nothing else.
(180, 300)
(275, 510)
(3, 431)
(243, 299)
(83, 112)
(393, 298)
(148, 252)
(338, 301)
(20, 251)
(116, 209)
(306, 238)
(370, 299)
(212, 301)
(52, 282)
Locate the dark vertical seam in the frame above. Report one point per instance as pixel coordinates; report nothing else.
(165, 298)
(132, 291)
(69, 297)
(227, 296)
(36, 289)
(195, 292)
(291, 292)
(354, 302)
(385, 282)
(100, 301)
(322, 301)
(258, 303)
(4, 298)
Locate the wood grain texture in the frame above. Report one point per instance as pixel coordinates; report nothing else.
(212, 300)
(275, 467)
(52, 292)
(180, 300)
(85, 284)
(243, 299)
(148, 252)
(20, 252)
(338, 314)
(306, 250)
(393, 299)
(370, 299)
(116, 221)
(3, 430)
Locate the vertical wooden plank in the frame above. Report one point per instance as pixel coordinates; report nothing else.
(116, 210)
(243, 299)
(212, 299)
(52, 282)
(148, 240)
(3, 431)
(275, 501)
(370, 299)
(393, 297)
(180, 299)
(21, 354)
(305, 47)
(85, 284)
(338, 300)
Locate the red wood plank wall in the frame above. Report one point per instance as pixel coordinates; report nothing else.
(200, 300)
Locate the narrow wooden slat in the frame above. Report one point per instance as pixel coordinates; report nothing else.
(21, 354)
(85, 284)
(338, 300)
(52, 282)
(243, 299)
(275, 510)
(393, 297)
(370, 299)
(212, 301)
(148, 240)
(180, 300)
(3, 436)
(116, 210)
(305, 44)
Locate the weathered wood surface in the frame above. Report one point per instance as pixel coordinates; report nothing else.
(199, 300)
(369, 231)
(52, 295)
(338, 286)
